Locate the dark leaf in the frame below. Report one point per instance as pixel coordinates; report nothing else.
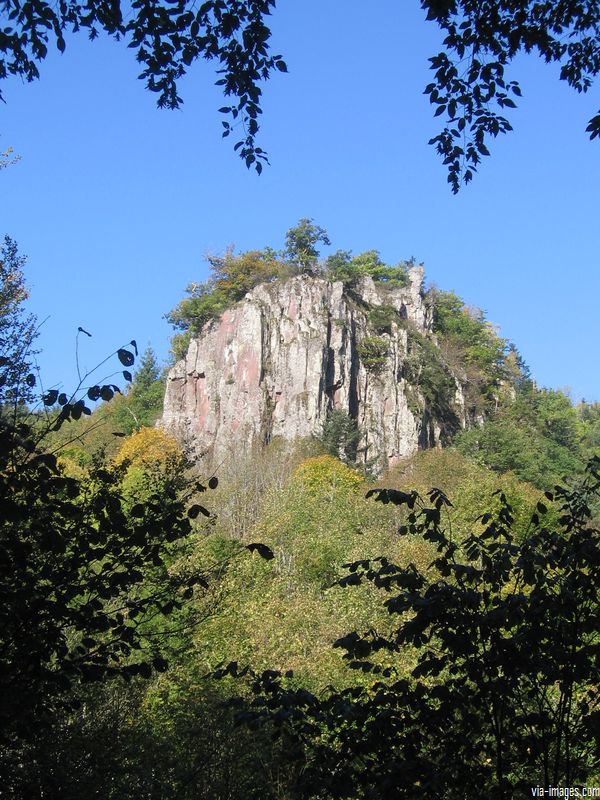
(125, 357)
(262, 550)
(50, 397)
(196, 509)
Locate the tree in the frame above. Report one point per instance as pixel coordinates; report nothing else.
(301, 242)
(17, 329)
(84, 576)
(167, 37)
(482, 39)
(142, 404)
(502, 694)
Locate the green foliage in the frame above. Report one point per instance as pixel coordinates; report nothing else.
(373, 352)
(284, 610)
(231, 278)
(538, 435)
(470, 331)
(424, 369)
(301, 245)
(472, 487)
(340, 436)
(341, 266)
(470, 345)
(503, 693)
(382, 318)
(142, 404)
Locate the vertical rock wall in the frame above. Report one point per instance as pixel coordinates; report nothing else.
(280, 360)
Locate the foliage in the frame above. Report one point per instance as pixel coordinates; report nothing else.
(503, 694)
(424, 370)
(537, 435)
(472, 487)
(373, 352)
(142, 404)
(146, 447)
(469, 330)
(17, 329)
(80, 580)
(471, 346)
(340, 436)
(341, 266)
(165, 738)
(167, 38)
(482, 39)
(382, 318)
(322, 474)
(301, 244)
(84, 576)
(231, 278)
(285, 611)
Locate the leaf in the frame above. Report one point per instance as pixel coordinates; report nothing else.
(262, 550)
(106, 393)
(93, 393)
(127, 375)
(50, 397)
(125, 357)
(213, 482)
(30, 379)
(62, 399)
(196, 509)
(133, 343)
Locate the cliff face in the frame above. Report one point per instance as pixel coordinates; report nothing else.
(277, 363)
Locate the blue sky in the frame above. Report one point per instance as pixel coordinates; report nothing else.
(115, 203)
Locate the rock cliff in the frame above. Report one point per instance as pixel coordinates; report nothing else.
(290, 352)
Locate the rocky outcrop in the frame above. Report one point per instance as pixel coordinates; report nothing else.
(291, 351)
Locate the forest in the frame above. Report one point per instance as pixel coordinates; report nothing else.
(290, 625)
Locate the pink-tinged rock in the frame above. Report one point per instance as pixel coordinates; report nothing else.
(279, 361)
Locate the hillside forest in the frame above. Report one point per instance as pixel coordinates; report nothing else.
(288, 624)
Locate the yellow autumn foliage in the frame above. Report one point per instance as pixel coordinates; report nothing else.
(147, 447)
(323, 473)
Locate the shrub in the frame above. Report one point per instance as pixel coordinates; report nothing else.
(373, 352)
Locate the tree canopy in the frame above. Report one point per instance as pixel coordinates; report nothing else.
(470, 85)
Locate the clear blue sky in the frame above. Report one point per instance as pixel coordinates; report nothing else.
(115, 203)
